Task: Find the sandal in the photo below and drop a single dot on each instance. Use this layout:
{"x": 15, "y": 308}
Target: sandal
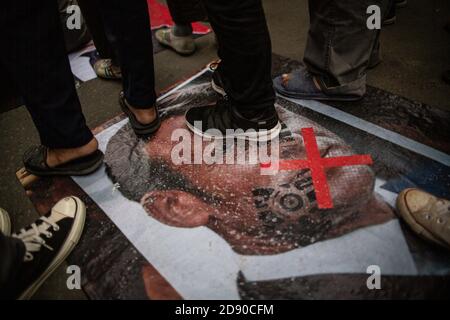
{"x": 139, "y": 128}
{"x": 300, "y": 84}
{"x": 35, "y": 161}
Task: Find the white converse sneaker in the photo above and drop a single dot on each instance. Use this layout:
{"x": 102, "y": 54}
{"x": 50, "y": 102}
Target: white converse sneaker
{"x": 5, "y": 222}
{"x": 426, "y": 214}
{"x": 48, "y": 242}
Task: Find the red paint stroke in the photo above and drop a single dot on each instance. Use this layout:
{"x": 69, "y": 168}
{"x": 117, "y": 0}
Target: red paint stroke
{"x": 316, "y": 164}
{"x": 160, "y": 17}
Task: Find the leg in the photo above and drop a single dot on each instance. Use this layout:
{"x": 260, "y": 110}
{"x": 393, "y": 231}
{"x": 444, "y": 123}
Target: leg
{"x": 37, "y": 60}
{"x": 75, "y": 38}
{"x": 339, "y": 50}
{"x": 91, "y": 11}
{"x": 183, "y": 13}
{"x": 128, "y": 25}
{"x": 246, "y": 52}
{"x": 106, "y": 67}
{"x": 245, "y": 70}
{"x": 340, "y": 44}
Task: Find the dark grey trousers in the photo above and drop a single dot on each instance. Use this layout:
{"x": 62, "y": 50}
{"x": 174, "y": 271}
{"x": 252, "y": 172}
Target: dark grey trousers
{"x": 340, "y": 47}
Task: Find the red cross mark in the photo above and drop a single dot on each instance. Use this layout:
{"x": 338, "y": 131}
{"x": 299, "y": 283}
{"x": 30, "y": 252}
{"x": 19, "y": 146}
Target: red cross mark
{"x": 316, "y": 164}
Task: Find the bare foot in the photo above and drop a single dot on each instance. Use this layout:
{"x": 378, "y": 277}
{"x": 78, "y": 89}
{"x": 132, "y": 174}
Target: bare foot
{"x": 144, "y": 116}
{"x": 57, "y": 157}
{"x": 286, "y": 77}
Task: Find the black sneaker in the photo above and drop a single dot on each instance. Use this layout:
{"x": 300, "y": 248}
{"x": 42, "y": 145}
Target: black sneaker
{"x": 216, "y": 81}
{"x": 221, "y": 121}
{"x": 48, "y": 242}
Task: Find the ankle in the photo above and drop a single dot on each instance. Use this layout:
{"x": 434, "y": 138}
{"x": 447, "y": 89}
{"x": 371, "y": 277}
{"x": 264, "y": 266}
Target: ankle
{"x": 182, "y": 30}
{"x": 56, "y": 157}
{"x": 89, "y": 148}
{"x": 144, "y": 116}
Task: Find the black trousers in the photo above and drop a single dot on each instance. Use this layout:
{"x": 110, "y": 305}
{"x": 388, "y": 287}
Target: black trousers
{"x": 186, "y": 11}
{"x": 182, "y": 12}
{"x": 127, "y": 26}
{"x": 12, "y": 252}
{"x": 246, "y": 53}
{"x": 121, "y": 32}
{"x": 92, "y": 15}
{"x": 35, "y": 56}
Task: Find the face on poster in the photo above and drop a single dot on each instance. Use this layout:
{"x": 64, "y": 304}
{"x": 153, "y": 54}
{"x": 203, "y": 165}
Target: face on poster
{"x": 201, "y": 225}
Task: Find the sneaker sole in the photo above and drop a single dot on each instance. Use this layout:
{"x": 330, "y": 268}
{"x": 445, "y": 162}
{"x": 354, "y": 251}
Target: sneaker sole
{"x": 217, "y": 88}
{"x": 317, "y": 98}
{"x": 71, "y": 241}
{"x": 5, "y": 222}
{"x": 404, "y": 212}
{"x": 264, "y": 136}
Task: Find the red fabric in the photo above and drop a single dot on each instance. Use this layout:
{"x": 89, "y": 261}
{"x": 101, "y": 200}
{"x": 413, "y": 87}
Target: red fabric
{"x": 160, "y": 17}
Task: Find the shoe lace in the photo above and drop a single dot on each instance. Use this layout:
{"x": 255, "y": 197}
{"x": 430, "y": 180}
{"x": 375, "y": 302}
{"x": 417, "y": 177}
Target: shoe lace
{"x": 442, "y": 209}
{"x": 32, "y": 237}
{"x": 442, "y": 206}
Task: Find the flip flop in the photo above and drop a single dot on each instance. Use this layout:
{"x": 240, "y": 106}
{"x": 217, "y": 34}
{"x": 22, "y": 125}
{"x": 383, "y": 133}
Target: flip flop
{"x": 139, "y": 128}
{"x": 299, "y": 84}
{"x": 35, "y": 161}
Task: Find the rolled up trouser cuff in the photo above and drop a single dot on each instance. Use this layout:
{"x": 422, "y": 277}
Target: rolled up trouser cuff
{"x": 355, "y": 88}
{"x": 142, "y": 102}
